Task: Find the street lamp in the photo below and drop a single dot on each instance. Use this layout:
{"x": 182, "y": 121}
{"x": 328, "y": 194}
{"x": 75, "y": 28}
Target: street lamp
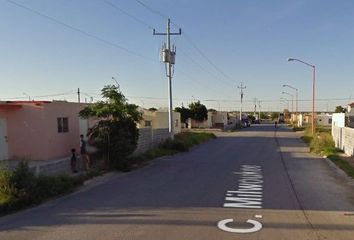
{"x": 296, "y": 97}
{"x": 292, "y": 100}
{"x": 287, "y": 101}
{"x": 313, "y": 89}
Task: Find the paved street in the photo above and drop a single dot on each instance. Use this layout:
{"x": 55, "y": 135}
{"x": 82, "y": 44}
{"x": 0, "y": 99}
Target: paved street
{"x": 257, "y": 174}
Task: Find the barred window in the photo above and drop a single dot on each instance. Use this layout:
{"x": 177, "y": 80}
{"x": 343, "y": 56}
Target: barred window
{"x": 63, "y": 125}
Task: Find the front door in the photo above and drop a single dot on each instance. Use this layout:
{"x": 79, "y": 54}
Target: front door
{"x": 3, "y": 140}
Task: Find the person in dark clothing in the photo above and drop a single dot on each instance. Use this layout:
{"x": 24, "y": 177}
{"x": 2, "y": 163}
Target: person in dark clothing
{"x": 85, "y": 157}
{"x": 275, "y": 124}
{"x": 73, "y": 160}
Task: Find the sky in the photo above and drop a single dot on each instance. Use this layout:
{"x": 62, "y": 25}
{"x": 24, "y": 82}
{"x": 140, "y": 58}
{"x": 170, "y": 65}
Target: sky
{"x": 49, "y": 49}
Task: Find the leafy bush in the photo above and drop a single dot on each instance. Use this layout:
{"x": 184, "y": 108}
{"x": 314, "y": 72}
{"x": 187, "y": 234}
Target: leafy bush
{"x": 116, "y": 133}
{"x": 7, "y": 191}
{"x": 323, "y": 143}
{"x": 175, "y": 144}
{"x": 21, "y": 188}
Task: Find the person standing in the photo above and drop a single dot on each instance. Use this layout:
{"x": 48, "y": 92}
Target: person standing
{"x": 73, "y": 160}
{"x": 83, "y": 152}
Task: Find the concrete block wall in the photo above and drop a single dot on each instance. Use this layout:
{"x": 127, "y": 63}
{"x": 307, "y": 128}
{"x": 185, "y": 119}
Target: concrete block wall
{"x": 348, "y": 141}
{"x": 344, "y": 139}
{"x": 144, "y": 141}
{"x": 149, "y": 138}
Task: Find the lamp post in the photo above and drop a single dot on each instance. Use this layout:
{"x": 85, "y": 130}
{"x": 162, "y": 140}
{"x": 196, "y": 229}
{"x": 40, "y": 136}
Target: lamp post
{"x": 296, "y": 96}
{"x": 313, "y": 89}
{"x": 292, "y": 100}
{"x": 287, "y": 101}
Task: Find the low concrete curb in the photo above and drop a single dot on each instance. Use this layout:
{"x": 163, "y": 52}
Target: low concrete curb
{"x": 339, "y": 171}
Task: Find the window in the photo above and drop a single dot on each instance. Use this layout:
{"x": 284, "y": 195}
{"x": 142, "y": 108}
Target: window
{"x": 63, "y": 125}
{"x": 147, "y": 123}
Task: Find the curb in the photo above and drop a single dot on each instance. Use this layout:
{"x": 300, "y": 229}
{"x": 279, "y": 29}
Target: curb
{"x": 339, "y": 171}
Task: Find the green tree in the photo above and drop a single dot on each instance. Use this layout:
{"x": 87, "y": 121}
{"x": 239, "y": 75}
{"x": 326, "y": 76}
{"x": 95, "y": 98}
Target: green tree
{"x": 264, "y": 115}
{"x": 115, "y": 132}
{"x": 340, "y": 109}
{"x": 152, "y": 109}
{"x": 198, "y": 111}
{"x": 185, "y": 113}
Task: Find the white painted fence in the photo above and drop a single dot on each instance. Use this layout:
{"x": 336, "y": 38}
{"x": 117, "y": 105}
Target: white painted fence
{"x": 344, "y": 139}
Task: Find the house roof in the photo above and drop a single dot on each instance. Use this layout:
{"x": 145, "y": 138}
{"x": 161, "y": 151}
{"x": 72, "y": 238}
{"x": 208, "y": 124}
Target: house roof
{"x": 351, "y": 104}
{"x": 24, "y": 102}
{"x": 6, "y": 106}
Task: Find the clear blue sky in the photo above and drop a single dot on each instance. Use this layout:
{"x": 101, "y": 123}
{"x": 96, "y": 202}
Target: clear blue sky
{"x": 249, "y": 41}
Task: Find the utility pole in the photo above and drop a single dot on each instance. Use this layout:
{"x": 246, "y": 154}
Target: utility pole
{"x": 168, "y": 57}
{"x": 78, "y": 95}
{"x": 241, "y": 94}
{"x": 259, "y": 109}
{"x": 255, "y": 107}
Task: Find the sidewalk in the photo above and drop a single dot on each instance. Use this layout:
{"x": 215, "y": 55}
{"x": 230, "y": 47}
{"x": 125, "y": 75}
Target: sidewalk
{"x": 318, "y": 184}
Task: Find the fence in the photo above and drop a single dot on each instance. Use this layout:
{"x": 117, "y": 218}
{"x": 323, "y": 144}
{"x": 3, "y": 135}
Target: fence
{"x": 344, "y": 139}
{"x": 149, "y": 138}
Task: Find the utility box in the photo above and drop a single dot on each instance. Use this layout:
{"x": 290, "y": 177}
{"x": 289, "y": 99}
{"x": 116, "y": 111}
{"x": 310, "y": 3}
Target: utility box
{"x": 165, "y": 55}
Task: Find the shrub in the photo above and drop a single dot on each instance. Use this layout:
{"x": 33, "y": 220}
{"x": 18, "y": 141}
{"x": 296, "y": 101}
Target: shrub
{"x": 175, "y": 144}
{"x": 24, "y": 183}
{"x": 323, "y": 143}
{"x": 21, "y": 188}
{"x": 7, "y": 191}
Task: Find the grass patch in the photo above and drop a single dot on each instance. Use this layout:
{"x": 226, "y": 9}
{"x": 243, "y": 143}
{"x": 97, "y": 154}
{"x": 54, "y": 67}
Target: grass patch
{"x": 298, "y": 129}
{"x": 181, "y": 143}
{"x": 22, "y": 188}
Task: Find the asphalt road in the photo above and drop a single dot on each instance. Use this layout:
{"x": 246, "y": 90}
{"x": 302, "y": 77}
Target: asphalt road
{"x": 257, "y": 174}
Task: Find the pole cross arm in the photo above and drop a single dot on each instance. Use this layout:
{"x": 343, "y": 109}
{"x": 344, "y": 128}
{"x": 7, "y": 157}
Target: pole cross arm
{"x": 164, "y": 34}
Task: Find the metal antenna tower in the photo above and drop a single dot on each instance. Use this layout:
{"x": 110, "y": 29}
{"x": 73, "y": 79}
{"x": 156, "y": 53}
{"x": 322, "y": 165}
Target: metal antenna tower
{"x": 168, "y": 55}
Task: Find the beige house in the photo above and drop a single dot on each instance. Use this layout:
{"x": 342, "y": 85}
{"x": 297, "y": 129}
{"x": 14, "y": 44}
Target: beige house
{"x": 159, "y": 120}
{"x": 216, "y": 119}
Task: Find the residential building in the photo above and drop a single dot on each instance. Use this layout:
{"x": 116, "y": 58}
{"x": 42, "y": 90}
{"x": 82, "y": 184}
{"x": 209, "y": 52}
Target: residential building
{"x": 159, "y": 120}
{"x": 40, "y": 130}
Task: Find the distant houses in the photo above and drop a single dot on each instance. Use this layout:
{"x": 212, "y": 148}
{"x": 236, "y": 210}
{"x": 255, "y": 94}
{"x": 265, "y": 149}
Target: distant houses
{"x": 44, "y": 132}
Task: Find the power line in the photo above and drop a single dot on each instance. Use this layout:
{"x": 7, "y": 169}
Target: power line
{"x": 87, "y": 34}
{"x": 186, "y": 36}
{"x": 147, "y": 25}
{"x": 151, "y": 9}
{"x": 228, "y": 100}
{"x": 128, "y": 14}
{"x": 48, "y": 95}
